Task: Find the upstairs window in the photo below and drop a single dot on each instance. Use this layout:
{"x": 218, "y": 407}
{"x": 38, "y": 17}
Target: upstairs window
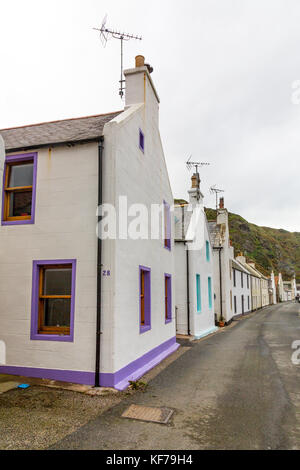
{"x": 234, "y": 278}
{"x": 19, "y": 189}
{"x": 167, "y": 226}
{"x": 207, "y": 251}
{"x": 141, "y": 141}
{"x": 242, "y": 280}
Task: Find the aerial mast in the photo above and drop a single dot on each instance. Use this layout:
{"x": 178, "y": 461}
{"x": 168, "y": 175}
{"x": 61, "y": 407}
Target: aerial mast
{"x": 105, "y": 35}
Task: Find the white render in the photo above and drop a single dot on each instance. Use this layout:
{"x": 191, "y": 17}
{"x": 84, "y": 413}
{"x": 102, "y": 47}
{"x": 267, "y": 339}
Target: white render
{"x": 223, "y": 254}
{"x": 241, "y": 288}
{"x": 65, "y": 228}
{"x": 202, "y": 322}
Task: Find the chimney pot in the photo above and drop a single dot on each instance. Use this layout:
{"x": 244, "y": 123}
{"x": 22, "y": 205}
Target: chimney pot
{"x": 195, "y": 181}
{"x": 139, "y": 61}
{"x": 221, "y": 203}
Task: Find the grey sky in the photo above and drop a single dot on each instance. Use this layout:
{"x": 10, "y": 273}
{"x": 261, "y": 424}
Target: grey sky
{"x": 223, "y": 70}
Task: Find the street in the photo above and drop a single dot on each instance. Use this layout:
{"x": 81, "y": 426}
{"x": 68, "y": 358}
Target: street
{"x": 237, "y": 389}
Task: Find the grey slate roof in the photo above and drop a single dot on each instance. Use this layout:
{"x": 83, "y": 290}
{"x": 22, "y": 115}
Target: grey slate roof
{"x": 214, "y": 231}
{"x": 56, "y": 132}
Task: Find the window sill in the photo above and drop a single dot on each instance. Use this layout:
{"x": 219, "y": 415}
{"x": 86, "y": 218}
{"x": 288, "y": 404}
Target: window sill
{"x": 62, "y": 338}
{"x": 17, "y": 222}
{"x": 144, "y": 329}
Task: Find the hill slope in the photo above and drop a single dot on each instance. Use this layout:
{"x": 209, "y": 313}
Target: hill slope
{"x": 268, "y": 247}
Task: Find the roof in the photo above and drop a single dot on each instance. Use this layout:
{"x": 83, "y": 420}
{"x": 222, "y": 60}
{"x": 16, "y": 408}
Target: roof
{"x": 214, "y": 231}
{"x": 239, "y": 266}
{"x": 56, "y": 132}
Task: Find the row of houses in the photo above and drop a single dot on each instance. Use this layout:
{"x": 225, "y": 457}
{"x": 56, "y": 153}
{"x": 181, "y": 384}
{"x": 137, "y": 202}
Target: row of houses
{"x": 91, "y": 292}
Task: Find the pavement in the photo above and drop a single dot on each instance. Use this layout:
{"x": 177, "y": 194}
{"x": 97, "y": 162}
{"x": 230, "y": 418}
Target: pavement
{"x": 237, "y": 389}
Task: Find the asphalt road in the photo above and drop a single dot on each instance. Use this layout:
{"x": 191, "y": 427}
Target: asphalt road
{"x": 237, "y": 389}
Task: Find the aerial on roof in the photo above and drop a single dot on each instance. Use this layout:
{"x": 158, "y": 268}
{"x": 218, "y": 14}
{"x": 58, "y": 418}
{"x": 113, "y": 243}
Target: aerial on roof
{"x": 56, "y": 132}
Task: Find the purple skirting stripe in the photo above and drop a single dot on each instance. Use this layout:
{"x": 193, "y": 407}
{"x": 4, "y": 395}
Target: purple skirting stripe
{"x": 118, "y": 380}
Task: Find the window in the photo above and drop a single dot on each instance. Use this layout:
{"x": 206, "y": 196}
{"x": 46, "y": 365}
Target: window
{"x": 247, "y": 281}
{"x": 167, "y": 226}
{"x": 234, "y": 278}
{"x": 145, "y": 299}
{"x": 209, "y": 293}
{"x": 242, "y": 280}
{"x": 19, "y": 187}
{"x": 168, "y": 298}
{"x": 234, "y": 300}
{"x": 243, "y": 307}
{"x": 53, "y": 300}
{"x": 141, "y": 141}
{"x": 248, "y": 302}
{"x": 198, "y": 293}
{"x": 207, "y": 251}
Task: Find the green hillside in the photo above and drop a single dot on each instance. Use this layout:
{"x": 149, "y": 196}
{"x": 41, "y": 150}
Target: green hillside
{"x": 268, "y": 247}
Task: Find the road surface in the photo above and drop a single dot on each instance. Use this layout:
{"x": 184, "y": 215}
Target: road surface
{"x": 237, "y": 389}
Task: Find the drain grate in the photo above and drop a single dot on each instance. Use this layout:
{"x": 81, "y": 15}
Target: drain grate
{"x": 148, "y": 413}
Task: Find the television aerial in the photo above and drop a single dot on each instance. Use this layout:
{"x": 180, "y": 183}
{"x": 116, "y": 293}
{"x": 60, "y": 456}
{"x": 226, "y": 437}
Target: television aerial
{"x": 105, "y": 35}
{"x": 216, "y": 191}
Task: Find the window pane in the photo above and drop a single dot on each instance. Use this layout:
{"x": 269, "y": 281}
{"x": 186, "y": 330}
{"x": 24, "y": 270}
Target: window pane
{"x": 57, "y": 312}
{"x": 21, "y": 175}
{"x": 57, "y": 281}
{"x": 20, "y": 204}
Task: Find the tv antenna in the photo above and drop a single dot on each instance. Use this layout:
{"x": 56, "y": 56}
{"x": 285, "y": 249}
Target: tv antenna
{"x": 105, "y": 35}
{"x": 196, "y": 165}
{"x": 216, "y": 191}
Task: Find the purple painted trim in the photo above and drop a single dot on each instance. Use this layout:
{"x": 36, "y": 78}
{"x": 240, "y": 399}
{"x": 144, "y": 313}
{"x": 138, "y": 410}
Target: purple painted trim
{"x": 169, "y": 305}
{"x": 138, "y": 368}
{"x": 34, "y": 335}
{"x": 20, "y": 158}
{"x": 118, "y": 380}
{"x": 141, "y": 141}
{"x": 167, "y": 235}
{"x": 73, "y": 376}
{"x": 147, "y": 299}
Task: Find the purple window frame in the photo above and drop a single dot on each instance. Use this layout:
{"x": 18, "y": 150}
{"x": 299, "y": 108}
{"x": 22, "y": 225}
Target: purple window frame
{"x": 169, "y": 304}
{"x": 14, "y": 159}
{"x": 34, "y": 335}
{"x": 141, "y": 140}
{"x": 147, "y": 326}
{"x": 167, "y": 233}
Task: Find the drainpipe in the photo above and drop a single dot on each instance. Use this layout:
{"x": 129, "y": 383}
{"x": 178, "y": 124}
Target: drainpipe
{"x": 99, "y": 268}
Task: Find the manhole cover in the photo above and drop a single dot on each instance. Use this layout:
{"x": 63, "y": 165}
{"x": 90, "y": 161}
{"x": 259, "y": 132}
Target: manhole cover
{"x": 148, "y": 413}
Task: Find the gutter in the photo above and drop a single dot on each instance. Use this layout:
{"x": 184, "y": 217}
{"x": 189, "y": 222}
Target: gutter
{"x": 53, "y": 144}
{"x": 188, "y": 288}
{"x": 99, "y": 266}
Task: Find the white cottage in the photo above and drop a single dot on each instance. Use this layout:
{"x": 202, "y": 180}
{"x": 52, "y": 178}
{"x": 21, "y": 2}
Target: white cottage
{"x": 223, "y": 253}
{"x": 194, "y": 282}
{"x": 241, "y": 288}
{"x": 74, "y": 307}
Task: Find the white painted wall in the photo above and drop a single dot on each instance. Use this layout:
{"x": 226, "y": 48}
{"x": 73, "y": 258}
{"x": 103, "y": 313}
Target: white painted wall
{"x": 202, "y": 322}
{"x": 241, "y": 289}
{"x": 65, "y": 228}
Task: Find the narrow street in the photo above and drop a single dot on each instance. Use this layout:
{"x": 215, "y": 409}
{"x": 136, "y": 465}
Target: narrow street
{"x": 237, "y": 389}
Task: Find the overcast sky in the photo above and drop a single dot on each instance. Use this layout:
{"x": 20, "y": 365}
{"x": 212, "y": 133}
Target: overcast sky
{"x": 223, "y": 70}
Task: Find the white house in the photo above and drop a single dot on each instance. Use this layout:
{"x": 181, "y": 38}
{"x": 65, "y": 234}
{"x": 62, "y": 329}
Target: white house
{"x": 74, "y": 307}
{"x": 194, "y": 291}
{"x": 222, "y": 256}
{"x": 241, "y": 288}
